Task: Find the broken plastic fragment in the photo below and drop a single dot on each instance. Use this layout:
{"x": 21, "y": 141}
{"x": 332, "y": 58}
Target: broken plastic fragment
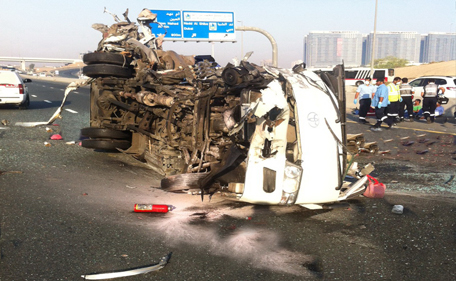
{"x": 408, "y": 143}
{"x": 131, "y": 272}
{"x": 56, "y": 137}
{"x": 422, "y": 151}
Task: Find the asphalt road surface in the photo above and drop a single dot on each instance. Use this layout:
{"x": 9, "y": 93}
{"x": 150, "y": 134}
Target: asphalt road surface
{"x": 67, "y": 211}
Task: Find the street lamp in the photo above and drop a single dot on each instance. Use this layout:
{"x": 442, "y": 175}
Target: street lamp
{"x": 242, "y": 39}
{"x": 373, "y": 42}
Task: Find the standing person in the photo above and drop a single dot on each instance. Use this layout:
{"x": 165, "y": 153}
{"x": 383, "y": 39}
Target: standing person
{"x": 380, "y": 102}
{"x": 364, "y": 92}
{"x": 394, "y": 98}
{"x": 430, "y": 94}
{"x": 406, "y": 92}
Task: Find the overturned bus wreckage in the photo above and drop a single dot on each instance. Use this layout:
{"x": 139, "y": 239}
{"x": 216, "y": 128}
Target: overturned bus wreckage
{"x": 262, "y": 135}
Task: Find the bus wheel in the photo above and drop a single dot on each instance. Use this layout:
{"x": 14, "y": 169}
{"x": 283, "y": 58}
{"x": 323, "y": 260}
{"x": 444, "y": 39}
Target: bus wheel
{"x": 359, "y": 83}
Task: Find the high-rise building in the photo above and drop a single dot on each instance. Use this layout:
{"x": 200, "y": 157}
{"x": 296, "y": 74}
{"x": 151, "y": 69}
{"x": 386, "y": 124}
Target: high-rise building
{"x": 328, "y": 48}
{"x": 364, "y": 60}
{"x": 399, "y": 44}
{"x": 439, "y": 46}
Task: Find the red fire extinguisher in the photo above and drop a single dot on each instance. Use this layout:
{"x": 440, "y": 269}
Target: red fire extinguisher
{"x": 152, "y": 208}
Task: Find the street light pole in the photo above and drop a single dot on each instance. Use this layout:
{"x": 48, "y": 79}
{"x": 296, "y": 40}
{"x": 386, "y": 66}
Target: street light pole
{"x": 373, "y": 41}
{"x": 242, "y": 40}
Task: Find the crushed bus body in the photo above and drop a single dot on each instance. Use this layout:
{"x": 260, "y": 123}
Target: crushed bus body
{"x": 256, "y": 134}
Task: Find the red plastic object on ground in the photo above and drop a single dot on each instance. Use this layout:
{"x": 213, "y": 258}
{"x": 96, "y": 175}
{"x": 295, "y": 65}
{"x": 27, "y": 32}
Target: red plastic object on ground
{"x": 375, "y": 189}
{"x": 56, "y": 137}
{"x": 151, "y": 208}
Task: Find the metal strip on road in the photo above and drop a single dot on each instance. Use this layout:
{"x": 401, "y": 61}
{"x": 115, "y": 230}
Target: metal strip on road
{"x": 71, "y": 110}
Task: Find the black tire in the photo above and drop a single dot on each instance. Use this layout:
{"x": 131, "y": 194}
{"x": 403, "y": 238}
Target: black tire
{"x": 231, "y": 77}
{"x": 105, "y": 133}
{"x": 105, "y": 144}
{"x": 102, "y": 70}
{"x": 108, "y": 58}
{"x": 25, "y": 104}
{"x": 358, "y": 83}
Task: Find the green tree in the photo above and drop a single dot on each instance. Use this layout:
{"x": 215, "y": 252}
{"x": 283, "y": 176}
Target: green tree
{"x": 390, "y": 62}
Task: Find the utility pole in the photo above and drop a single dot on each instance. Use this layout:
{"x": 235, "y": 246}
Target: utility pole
{"x": 242, "y": 40}
{"x": 373, "y": 41}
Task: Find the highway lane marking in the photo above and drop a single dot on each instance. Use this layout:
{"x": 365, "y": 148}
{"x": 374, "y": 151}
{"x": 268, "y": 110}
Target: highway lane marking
{"x": 51, "y": 87}
{"x": 62, "y": 90}
{"x": 34, "y": 96}
{"x": 71, "y": 110}
{"x": 44, "y": 86}
{"x": 48, "y": 101}
{"x": 414, "y": 129}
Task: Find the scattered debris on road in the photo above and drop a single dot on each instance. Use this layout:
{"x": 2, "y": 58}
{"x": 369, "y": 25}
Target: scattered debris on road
{"x": 398, "y": 209}
{"x": 73, "y": 86}
{"x": 131, "y": 272}
{"x": 56, "y": 137}
{"x": 10, "y": 172}
{"x": 375, "y": 189}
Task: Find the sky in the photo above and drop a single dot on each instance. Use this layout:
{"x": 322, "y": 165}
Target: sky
{"x": 62, "y": 29}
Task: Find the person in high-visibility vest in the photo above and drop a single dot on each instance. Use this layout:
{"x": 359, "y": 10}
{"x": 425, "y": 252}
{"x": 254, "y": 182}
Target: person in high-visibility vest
{"x": 430, "y": 95}
{"x": 407, "y": 92}
{"x": 394, "y": 100}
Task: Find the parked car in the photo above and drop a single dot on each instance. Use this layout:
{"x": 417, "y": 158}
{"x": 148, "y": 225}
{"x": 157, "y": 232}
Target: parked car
{"x": 13, "y": 89}
{"x": 448, "y": 82}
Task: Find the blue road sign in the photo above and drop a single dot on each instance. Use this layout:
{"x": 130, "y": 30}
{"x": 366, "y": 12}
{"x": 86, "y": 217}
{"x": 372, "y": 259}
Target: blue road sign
{"x": 195, "y": 25}
{"x": 169, "y": 21}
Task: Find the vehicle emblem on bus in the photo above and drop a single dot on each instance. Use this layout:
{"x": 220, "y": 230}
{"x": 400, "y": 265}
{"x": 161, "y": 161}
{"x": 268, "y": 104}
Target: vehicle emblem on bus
{"x": 313, "y": 119}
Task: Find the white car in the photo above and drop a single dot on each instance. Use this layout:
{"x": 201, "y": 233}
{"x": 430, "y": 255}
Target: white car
{"x": 448, "y": 82}
{"x": 13, "y": 89}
